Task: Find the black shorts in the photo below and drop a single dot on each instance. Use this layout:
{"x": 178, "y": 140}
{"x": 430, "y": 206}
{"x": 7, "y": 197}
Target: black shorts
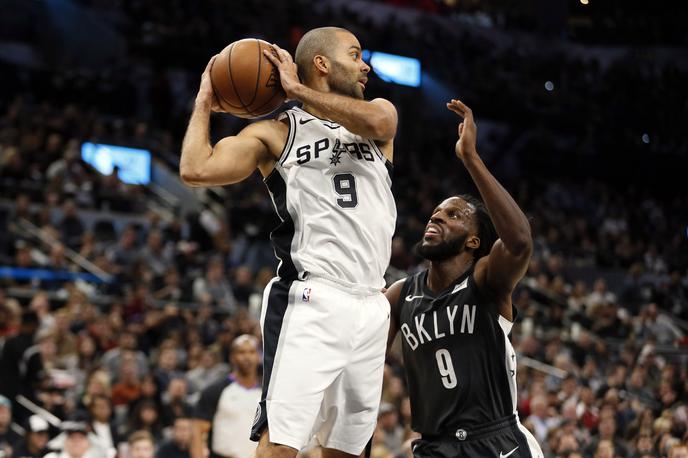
{"x": 505, "y": 438}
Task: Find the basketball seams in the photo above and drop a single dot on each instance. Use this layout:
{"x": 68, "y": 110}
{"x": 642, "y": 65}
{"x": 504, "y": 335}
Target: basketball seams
{"x": 218, "y": 94}
{"x": 231, "y": 79}
{"x": 260, "y": 62}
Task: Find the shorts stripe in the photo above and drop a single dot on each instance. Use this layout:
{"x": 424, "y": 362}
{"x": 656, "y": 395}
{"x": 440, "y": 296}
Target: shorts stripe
{"x": 523, "y": 445}
{"x": 275, "y": 308}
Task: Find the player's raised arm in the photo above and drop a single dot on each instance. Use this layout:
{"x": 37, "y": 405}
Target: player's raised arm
{"x": 508, "y": 260}
{"x": 332, "y": 83}
{"x": 232, "y": 159}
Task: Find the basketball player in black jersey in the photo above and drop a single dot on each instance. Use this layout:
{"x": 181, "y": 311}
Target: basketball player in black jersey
{"x": 456, "y": 316}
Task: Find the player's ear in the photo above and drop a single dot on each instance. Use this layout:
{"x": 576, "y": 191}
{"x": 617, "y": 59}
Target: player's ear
{"x": 473, "y": 242}
{"x": 322, "y": 64}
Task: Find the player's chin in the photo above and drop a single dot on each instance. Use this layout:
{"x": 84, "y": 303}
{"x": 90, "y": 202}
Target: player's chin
{"x": 430, "y": 240}
{"x": 358, "y": 92}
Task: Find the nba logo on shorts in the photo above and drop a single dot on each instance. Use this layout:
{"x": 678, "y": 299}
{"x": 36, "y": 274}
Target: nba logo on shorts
{"x": 306, "y": 295}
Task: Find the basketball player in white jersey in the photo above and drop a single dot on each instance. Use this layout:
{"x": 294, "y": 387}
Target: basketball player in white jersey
{"x": 327, "y": 167}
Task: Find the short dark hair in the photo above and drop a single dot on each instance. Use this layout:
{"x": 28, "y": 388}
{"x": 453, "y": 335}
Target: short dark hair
{"x": 317, "y": 41}
{"x": 486, "y": 230}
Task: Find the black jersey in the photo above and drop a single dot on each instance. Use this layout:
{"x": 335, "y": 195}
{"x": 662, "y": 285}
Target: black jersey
{"x": 460, "y": 365}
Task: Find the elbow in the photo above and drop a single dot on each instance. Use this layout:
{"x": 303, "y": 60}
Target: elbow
{"x": 522, "y": 245}
{"x": 381, "y": 127}
{"x": 190, "y": 177}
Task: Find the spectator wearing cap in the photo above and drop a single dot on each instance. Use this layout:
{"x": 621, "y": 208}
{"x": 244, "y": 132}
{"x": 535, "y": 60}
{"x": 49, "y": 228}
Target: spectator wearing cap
{"x": 229, "y": 405}
{"x": 76, "y": 442}
{"x": 393, "y": 432}
{"x": 178, "y": 446}
{"x": 35, "y": 439}
{"x": 8, "y": 437}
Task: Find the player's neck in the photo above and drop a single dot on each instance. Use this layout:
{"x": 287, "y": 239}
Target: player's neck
{"x": 319, "y": 85}
{"x": 313, "y": 111}
{"x": 247, "y": 381}
{"x": 441, "y": 274}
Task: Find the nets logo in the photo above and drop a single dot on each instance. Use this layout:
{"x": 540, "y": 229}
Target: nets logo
{"x": 306, "y": 296}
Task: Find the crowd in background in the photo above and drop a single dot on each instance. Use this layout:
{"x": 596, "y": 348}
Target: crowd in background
{"x": 604, "y": 304}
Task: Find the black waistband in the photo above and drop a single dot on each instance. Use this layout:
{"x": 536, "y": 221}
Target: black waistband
{"x": 468, "y": 433}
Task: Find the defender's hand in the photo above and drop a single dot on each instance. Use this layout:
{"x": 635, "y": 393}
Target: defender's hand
{"x": 206, "y": 94}
{"x": 287, "y": 70}
{"x": 467, "y": 129}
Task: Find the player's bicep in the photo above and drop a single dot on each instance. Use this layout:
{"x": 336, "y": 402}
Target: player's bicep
{"x": 231, "y": 160}
{"x": 501, "y": 270}
{"x": 234, "y": 159}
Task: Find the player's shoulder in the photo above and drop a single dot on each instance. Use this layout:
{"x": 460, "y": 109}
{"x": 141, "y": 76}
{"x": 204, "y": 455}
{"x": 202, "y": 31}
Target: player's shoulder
{"x": 216, "y": 388}
{"x": 399, "y": 287}
{"x": 266, "y": 127}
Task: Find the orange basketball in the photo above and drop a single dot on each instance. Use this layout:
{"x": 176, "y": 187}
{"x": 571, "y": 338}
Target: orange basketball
{"x": 245, "y": 82}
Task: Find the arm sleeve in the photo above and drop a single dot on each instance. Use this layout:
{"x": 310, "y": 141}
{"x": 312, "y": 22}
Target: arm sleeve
{"x": 207, "y": 404}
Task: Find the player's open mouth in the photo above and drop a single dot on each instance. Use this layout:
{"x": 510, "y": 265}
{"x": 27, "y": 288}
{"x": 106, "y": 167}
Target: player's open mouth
{"x": 432, "y": 230}
{"x": 362, "y": 83}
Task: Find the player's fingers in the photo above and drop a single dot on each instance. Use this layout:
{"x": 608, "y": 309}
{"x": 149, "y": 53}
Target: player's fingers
{"x": 284, "y": 55}
{"x": 272, "y": 57}
{"x": 457, "y": 106}
{"x": 464, "y": 107}
{"x": 454, "y": 109}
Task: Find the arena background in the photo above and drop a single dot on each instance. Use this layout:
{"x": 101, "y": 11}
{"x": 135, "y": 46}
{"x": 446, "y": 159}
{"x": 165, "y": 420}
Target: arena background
{"x": 582, "y": 111}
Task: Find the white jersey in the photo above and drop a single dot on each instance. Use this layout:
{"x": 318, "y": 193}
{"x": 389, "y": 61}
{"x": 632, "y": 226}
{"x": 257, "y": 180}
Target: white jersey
{"x": 332, "y": 192}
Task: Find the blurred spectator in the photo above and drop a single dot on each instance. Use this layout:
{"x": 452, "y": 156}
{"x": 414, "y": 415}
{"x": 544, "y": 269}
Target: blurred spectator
{"x": 12, "y": 355}
{"x": 9, "y": 439}
{"x": 102, "y": 423}
{"x": 112, "y": 359}
{"x": 35, "y": 440}
{"x": 209, "y": 370}
{"x": 72, "y": 229}
{"x": 76, "y": 442}
{"x": 178, "y": 445}
{"x": 141, "y": 445}
{"x": 393, "y": 432}
{"x": 128, "y": 386}
{"x": 146, "y": 417}
{"x": 174, "y": 401}
{"x": 214, "y": 286}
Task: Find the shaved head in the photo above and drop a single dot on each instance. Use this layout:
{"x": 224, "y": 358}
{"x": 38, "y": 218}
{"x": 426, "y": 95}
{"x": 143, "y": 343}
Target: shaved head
{"x": 321, "y": 41}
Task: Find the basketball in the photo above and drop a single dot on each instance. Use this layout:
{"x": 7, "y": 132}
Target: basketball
{"x": 245, "y": 82}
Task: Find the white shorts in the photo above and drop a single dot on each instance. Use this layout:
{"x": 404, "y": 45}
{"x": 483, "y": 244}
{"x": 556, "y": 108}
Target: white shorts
{"x": 324, "y": 354}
